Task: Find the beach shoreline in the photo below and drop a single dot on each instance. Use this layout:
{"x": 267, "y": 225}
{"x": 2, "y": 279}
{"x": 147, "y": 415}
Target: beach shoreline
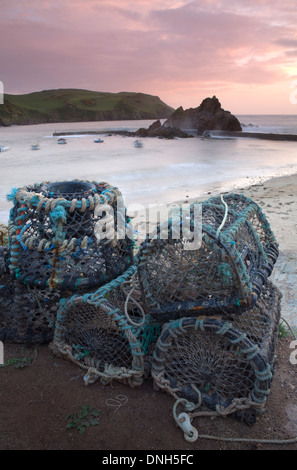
{"x": 161, "y": 171}
{"x": 276, "y": 196}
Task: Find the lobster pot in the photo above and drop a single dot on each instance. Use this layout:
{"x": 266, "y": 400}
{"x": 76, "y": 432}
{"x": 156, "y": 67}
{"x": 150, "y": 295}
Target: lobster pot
{"x": 4, "y": 262}
{"x": 103, "y": 332}
{"x": 222, "y": 271}
{"x": 27, "y": 315}
{"x": 68, "y": 235}
{"x": 226, "y": 366}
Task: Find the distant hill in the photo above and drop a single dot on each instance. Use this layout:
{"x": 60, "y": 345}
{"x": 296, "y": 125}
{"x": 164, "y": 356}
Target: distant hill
{"x": 73, "y": 105}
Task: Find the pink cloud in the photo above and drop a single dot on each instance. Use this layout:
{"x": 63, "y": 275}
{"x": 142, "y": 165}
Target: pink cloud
{"x": 150, "y": 46}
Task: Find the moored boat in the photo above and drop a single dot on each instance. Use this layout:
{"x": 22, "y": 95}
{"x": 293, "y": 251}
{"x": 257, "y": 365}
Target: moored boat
{"x": 138, "y": 143}
{"x": 35, "y": 146}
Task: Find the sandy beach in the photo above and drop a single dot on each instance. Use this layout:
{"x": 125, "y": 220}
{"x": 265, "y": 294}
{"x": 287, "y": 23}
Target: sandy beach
{"x": 277, "y": 197}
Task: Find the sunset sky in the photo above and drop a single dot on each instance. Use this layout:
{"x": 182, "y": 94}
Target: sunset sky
{"x": 242, "y": 51}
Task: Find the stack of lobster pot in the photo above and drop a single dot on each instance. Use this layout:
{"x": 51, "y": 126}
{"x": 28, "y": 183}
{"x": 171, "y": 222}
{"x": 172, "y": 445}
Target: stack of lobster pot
{"x": 218, "y": 310}
{"x": 196, "y": 310}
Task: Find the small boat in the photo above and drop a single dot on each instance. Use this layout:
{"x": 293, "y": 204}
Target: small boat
{"x": 4, "y": 149}
{"x": 138, "y": 143}
{"x": 98, "y": 140}
{"x": 62, "y": 141}
{"x": 35, "y": 146}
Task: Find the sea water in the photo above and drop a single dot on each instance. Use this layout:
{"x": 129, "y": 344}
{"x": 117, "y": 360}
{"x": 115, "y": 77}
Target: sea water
{"x": 160, "y": 172}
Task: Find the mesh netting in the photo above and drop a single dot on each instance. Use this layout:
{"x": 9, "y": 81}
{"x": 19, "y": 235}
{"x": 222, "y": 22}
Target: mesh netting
{"x": 226, "y": 273}
{"x": 4, "y": 262}
{"x": 65, "y": 235}
{"x": 101, "y": 331}
{"x": 202, "y": 320}
{"x": 223, "y": 364}
{"x": 27, "y": 315}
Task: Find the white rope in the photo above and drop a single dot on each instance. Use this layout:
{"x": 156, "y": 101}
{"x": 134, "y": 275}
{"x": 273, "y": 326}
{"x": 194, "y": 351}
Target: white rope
{"x": 128, "y": 298}
{"x": 117, "y": 402}
{"x": 183, "y": 420}
{"x": 225, "y": 217}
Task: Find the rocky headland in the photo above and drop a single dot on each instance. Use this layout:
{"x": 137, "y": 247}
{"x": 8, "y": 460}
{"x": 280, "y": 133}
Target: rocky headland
{"x": 158, "y": 130}
{"x": 209, "y": 115}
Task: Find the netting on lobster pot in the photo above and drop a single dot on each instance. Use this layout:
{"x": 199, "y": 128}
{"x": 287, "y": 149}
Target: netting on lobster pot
{"x": 68, "y": 235}
{"x": 225, "y": 272}
{"x": 221, "y": 365}
{"x": 105, "y": 332}
{"x": 27, "y": 315}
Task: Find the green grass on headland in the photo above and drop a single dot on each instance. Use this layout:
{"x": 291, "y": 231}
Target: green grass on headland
{"x": 73, "y": 105}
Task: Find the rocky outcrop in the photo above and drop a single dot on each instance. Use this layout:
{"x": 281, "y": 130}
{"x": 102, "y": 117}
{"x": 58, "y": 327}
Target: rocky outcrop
{"x": 208, "y": 116}
{"x": 164, "y": 132}
{"x": 20, "y": 115}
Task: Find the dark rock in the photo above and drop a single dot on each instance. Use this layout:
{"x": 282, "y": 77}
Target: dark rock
{"x": 157, "y": 130}
{"x": 208, "y": 116}
{"x": 155, "y": 126}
